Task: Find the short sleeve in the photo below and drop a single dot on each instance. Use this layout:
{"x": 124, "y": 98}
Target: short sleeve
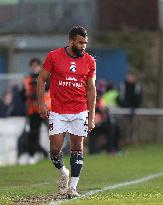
{"x": 92, "y": 71}
{"x": 47, "y": 65}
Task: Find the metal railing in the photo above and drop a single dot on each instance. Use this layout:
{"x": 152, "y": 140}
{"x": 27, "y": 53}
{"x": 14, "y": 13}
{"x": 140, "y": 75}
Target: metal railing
{"x": 140, "y": 124}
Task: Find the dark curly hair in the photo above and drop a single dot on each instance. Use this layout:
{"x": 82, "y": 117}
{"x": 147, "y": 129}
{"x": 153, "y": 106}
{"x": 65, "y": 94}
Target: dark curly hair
{"x": 77, "y": 30}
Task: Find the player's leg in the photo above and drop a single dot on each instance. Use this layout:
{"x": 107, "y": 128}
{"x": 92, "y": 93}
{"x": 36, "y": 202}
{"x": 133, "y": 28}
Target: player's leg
{"x": 56, "y": 155}
{"x": 76, "y": 162}
{"x": 57, "y": 129}
{"x": 78, "y": 129}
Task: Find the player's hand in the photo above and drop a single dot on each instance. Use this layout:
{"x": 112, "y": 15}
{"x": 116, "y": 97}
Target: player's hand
{"x": 43, "y": 111}
{"x": 91, "y": 125}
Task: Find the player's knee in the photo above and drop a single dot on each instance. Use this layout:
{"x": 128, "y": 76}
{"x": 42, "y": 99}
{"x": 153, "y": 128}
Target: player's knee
{"x": 77, "y": 146}
{"x": 56, "y": 150}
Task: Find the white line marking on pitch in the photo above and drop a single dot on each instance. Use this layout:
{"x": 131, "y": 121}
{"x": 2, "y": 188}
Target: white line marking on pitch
{"x": 111, "y": 187}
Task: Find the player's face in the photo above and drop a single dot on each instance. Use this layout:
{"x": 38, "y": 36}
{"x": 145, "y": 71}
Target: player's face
{"x": 78, "y": 45}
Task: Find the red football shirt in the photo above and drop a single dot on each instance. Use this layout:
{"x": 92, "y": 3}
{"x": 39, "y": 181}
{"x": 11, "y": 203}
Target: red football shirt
{"x": 68, "y": 80}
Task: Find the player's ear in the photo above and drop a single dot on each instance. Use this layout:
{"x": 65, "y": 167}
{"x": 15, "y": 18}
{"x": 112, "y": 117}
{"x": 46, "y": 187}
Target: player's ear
{"x": 70, "y": 42}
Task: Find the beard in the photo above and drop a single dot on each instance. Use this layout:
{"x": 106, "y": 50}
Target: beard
{"x": 78, "y": 52}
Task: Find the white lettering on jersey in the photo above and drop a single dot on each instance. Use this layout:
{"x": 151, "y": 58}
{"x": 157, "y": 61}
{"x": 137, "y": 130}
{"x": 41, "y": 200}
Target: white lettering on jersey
{"x": 69, "y": 83}
{"x": 60, "y": 82}
{"x": 71, "y": 78}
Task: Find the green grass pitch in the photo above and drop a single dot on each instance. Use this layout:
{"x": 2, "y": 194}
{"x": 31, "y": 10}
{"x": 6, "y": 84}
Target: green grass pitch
{"x": 18, "y": 183}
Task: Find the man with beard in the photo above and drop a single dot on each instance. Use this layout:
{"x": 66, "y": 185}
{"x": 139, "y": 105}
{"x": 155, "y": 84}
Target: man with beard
{"x": 72, "y": 89}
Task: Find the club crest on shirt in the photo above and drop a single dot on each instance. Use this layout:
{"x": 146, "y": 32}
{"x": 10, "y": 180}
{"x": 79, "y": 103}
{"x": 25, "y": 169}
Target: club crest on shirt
{"x": 73, "y": 67}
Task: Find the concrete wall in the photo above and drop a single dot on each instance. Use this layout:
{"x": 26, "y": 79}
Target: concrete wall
{"x": 11, "y": 128}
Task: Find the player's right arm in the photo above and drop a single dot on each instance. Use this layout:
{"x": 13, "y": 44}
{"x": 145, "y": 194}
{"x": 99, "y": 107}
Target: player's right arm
{"x": 43, "y": 77}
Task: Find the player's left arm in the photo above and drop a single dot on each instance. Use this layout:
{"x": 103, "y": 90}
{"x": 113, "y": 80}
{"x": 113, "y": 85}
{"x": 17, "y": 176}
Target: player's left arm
{"x": 91, "y": 102}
